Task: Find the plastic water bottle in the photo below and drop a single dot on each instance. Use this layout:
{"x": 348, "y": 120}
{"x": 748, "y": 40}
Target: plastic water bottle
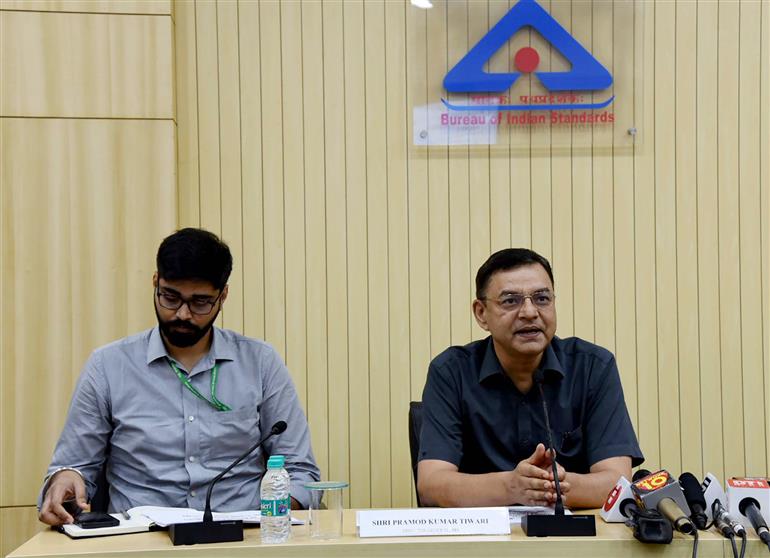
{"x": 276, "y": 502}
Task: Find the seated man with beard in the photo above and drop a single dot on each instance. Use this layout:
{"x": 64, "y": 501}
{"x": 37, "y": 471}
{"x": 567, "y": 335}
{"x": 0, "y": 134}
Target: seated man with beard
{"x": 167, "y": 409}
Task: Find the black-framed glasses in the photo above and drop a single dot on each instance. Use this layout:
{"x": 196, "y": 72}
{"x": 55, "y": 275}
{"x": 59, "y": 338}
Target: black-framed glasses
{"x": 514, "y": 301}
{"x": 174, "y": 301}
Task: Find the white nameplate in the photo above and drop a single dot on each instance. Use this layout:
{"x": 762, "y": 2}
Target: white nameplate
{"x": 416, "y": 522}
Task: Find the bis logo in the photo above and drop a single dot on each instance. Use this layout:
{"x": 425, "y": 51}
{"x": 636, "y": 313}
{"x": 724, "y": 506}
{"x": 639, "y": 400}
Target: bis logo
{"x": 586, "y": 74}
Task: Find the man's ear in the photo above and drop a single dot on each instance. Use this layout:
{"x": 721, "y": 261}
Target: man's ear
{"x": 480, "y": 313}
{"x": 155, "y": 280}
{"x": 223, "y": 296}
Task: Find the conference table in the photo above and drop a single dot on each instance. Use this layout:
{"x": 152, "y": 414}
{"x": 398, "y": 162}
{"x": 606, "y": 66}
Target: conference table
{"x": 611, "y": 541}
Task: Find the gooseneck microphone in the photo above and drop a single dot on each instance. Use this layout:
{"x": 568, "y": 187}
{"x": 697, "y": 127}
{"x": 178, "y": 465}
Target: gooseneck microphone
{"x": 693, "y": 493}
{"x": 559, "y": 506}
{"x": 559, "y": 524}
{"x": 210, "y": 531}
{"x": 750, "y": 508}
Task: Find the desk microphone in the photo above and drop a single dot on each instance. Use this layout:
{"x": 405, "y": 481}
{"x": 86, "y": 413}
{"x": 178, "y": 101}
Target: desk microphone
{"x": 210, "y": 531}
{"x": 559, "y": 524}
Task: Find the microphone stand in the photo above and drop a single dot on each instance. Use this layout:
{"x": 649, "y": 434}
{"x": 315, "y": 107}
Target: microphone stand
{"x": 559, "y": 524}
{"x": 208, "y": 530}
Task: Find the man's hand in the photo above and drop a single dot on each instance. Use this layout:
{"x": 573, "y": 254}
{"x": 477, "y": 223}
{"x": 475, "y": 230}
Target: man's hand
{"x": 63, "y": 486}
{"x": 532, "y": 482}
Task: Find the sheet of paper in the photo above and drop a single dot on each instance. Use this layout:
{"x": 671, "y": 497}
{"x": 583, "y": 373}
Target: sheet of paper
{"x": 517, "y": 512}
{"x": 164, "y": 517}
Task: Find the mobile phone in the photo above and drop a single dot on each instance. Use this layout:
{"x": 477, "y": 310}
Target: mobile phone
{"x": 94, "y": 520}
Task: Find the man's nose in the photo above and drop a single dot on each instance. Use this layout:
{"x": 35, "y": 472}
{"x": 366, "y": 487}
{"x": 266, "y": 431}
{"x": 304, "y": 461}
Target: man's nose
{"x": 528, "y": 308}
{"x": 183, "y": 312}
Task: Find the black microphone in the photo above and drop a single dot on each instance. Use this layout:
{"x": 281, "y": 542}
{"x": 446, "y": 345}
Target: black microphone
{"x": 750, "y": 508}
{"x": 693, "y": 493}
{"x": 649, "y": 526}
{"x": 559, "y": 524}
{"x": 210, "y": 531}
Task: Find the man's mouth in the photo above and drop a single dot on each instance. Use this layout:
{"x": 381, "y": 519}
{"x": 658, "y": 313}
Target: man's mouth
{"x": 529, "y": 332}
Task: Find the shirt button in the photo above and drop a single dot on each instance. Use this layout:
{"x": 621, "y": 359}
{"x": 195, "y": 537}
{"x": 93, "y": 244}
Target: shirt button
{"x": 192, "y": 493}
{"x": 191, "y": 418}
{"x": 191, "y": 459}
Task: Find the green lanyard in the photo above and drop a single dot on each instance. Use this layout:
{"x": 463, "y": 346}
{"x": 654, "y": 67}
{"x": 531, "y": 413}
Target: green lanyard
{"x": 216, "y": 403}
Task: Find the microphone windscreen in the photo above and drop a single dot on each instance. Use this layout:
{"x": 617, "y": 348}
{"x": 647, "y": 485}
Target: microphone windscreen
{"x": 640, "y": 474}
{"x": 279, "y": 427}
{"x": 692, "y": 489}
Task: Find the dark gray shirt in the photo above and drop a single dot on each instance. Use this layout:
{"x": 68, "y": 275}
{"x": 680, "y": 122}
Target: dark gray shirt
{"x": 475, "y": 418}
{"x": 164, "y": 443}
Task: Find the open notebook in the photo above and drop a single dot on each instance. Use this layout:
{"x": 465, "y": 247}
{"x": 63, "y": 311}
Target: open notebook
{"x": 150, "y": 518}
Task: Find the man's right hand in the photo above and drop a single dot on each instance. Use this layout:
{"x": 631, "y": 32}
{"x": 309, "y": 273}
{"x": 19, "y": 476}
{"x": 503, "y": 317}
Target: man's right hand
{"x": 64, "y": 486}
{"x": 532, "y": 483}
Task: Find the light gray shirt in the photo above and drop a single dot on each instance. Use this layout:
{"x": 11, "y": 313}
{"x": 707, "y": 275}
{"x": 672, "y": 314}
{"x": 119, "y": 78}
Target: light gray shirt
{"x": 162, "y": 445}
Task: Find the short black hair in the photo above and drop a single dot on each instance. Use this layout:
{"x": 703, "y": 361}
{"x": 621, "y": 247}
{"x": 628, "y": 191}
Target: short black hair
{"x": 508, "y": 258}
{"x": 194, "y": 254}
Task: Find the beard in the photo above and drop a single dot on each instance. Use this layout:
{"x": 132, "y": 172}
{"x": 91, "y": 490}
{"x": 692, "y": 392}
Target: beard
{"x": 180, "y": 333}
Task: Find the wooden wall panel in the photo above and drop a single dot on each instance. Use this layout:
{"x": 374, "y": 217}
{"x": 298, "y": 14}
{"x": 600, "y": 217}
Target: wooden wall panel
{"x": 87, "y": 190}
{"x": 84, "y": 205}
{"x": 156, "y": 7}
{"x": 359, "y": 249}
{"x": 86, "y": 65}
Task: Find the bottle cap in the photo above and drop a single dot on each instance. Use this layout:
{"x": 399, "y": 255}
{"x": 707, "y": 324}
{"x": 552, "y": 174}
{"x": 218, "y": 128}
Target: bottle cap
{"x": 275, "y": 462}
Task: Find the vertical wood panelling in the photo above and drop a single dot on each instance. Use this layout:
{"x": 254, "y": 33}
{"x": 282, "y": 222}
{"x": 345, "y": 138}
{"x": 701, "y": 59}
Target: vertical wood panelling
{"x": 459, "y": 194}
{"x": 644, "y": 236}
{"x": 398, "y": 252}
{"x": 359, "y": 249}
{"x": 377, "y": 250}
{"x": 708, "y": 237}
{"x": 358, "y": 294}
{"x": 294, "y": 218}
{"x": 755, "y": 420}
{"x": 728, "y": 176}
{"x": 336, "y": 246}
{"x": 665, "y": 236}
{"x": 623, "y": 208}
{"x": 686, "y": 294}
{"x": 315, "y": 232}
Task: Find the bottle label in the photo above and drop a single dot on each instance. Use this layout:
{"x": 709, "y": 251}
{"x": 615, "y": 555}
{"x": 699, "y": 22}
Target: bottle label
{"x": 276, "y": 508}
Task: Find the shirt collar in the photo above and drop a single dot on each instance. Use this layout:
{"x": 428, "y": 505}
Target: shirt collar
{"x": 491, "y": 364}
{"x": 221, "y": 348}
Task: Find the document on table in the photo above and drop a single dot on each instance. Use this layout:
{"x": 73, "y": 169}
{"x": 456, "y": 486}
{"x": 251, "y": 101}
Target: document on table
{"x": 517, "y": 512}
{"x": 149, "y": 518}
{"x": 163, "y": 517}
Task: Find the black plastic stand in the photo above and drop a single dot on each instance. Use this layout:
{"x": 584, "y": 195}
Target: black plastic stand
{"x": 559, "y": 525}
{"x": 212, "y": 532}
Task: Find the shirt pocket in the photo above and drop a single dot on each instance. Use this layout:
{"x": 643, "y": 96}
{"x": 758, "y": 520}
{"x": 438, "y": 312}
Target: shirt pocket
{"x": 571, "y": 450}
{"x": 225, "y": 435}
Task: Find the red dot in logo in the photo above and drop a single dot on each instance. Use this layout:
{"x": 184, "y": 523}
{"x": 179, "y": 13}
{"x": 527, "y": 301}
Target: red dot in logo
{"x": 526, "y": 60}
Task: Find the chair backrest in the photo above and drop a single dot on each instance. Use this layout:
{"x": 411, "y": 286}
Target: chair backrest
{"x": 415, "y": 426}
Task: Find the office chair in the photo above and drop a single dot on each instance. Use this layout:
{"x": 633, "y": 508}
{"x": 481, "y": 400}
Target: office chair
{"x": 415, "y": 426}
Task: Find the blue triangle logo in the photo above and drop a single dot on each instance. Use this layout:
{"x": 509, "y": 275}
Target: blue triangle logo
{"x": 586, "y": 74}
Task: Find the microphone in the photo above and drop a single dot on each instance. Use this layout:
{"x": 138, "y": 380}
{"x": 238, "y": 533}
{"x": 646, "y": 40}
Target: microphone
{"x": 559, "y": 524}
{"x": 693, "y": 493}
{"x": 715, "y": 508}
{"x": 661, "y": 492}
{"x": 750, "y": 497}
{"x": 750, "y": 508}
{"x": 648, "y": 525}
{"x": 210, "y": 531}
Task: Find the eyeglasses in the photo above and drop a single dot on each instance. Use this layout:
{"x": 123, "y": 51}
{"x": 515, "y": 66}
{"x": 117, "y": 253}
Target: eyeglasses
{"x": 514, "y": 301}
{"x": 199, "y": 306}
